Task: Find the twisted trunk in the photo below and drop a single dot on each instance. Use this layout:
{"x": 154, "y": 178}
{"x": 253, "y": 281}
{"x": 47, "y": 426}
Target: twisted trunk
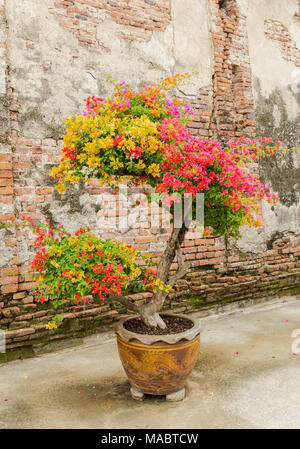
{"x": 150, "y": 311}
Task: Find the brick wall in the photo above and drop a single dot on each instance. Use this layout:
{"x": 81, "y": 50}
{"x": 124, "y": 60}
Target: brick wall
{"x": 233, "y": 106}
{"x": 280, "y": 35}
{"x": 140, "y": 18}
{"x": 220, "y": 271}
{"x": 8, "y": 245}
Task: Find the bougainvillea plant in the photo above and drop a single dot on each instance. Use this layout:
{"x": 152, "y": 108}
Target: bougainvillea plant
{"x": 143, "y": 136}
{"x": 73, "y": 267}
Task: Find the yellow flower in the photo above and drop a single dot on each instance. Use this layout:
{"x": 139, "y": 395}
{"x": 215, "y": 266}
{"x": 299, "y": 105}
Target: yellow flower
{"x": 54, "y": 171}
{"x": 40, "y": 280}
{"x": 160, "y": 285}
{"x": 152, "y": 144}
{"x": 71, "y": 178}
{"x": 115, "y": 163}
{"x": 140, "y": 165}
{"x": 88, "y": 247}
{"x": 61, "y": 187}
{"x": 135, "y": 273}
{"x": 154, "y": 170}
{"x": 50, "y": 325}
{"x": 82, "y": 157}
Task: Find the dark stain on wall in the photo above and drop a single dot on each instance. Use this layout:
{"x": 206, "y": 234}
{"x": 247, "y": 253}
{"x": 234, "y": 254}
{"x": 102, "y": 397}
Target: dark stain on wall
{"x": 281, "y": 171}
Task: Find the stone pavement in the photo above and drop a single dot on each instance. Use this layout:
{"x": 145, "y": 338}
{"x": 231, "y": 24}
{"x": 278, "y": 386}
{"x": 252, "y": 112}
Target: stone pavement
{"x": 246, "y": 377}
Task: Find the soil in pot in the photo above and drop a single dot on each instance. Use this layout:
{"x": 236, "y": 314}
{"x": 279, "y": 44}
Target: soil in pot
{"x": 175, "y": 325}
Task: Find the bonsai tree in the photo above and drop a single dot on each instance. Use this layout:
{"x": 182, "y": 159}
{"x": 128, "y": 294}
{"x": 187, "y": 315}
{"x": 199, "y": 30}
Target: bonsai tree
{"x": 142, "y": 137}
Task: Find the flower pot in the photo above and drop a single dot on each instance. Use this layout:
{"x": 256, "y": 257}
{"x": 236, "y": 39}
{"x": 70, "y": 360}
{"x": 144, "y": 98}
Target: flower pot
{"x": 158, "y": 364}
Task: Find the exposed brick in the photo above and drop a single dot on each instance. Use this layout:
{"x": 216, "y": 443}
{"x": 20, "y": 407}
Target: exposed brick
{"x": 6, "y": 190}
{"x": 279, "y": 34}
{"x": 5, "y": 157}
{"x": 5, "y": 174}
{"x": 9, "y": 288}
{"x": 5, "y": 165}
{"x": 19, "y": 333}
{"x": 9, "y": 280}
{"x": 9, "y": 271}
{"x": 6, "y": 182}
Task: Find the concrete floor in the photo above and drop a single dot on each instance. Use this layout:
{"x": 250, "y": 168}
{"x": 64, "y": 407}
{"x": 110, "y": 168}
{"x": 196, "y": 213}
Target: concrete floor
{"x": 85, "y": 387}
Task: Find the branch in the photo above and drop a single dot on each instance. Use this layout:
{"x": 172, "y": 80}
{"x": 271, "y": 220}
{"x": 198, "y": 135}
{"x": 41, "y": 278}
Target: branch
{"x": 182, "y": 270}
{"x": 121, "y": 299}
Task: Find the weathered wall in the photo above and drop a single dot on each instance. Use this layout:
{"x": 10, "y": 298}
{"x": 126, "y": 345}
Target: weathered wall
{"x": 54, "y": 53}
{"x": 274, "y": 42}
{"x": 61, "y": 52}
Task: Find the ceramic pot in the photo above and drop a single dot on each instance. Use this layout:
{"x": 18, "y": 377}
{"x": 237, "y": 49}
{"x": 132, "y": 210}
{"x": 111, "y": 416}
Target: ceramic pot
{"x": 158, "y": 364}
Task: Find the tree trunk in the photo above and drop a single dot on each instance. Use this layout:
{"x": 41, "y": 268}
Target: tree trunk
{"x": 150, "y": 312}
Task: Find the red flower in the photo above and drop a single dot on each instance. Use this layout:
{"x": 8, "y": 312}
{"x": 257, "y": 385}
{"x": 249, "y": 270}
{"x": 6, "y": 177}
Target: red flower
{"x": 117, "y": 140}
{"x": 135, "y": 153}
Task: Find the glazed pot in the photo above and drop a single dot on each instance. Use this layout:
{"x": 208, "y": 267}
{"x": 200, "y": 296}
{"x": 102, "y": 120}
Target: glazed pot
{"x": 158, "y": 364}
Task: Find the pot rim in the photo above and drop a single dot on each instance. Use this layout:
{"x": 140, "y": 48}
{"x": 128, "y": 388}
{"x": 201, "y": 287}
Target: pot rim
{"x": 146, "y": 339}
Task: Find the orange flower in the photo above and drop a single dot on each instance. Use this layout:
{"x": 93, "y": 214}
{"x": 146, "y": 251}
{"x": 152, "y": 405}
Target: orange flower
{"x": 258, "y": 223}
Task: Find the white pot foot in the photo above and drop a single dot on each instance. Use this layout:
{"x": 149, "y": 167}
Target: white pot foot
{"x": 136, "y": 394}
{"x": 177, "y": 396}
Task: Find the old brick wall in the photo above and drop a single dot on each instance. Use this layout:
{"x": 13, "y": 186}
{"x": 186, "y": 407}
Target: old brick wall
{"x": 56, "y": 53}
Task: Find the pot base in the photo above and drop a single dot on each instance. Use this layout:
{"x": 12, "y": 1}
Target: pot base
{"x": 172, "y": 397}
